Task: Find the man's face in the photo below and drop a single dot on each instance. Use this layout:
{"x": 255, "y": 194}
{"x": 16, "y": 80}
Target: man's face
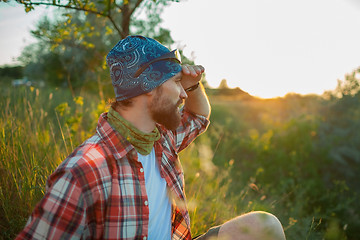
{"x": 164, "y": 107}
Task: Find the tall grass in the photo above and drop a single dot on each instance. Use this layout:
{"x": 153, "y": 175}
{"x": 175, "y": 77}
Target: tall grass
{"x": 39, "y": 128}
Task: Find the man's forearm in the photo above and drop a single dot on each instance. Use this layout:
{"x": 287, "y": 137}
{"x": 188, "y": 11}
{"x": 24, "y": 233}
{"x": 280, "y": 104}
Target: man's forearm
{"x": 198, "y": 102}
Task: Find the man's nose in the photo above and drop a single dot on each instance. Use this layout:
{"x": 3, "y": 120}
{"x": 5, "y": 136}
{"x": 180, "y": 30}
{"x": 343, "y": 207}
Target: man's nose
{"x": 183, "y": 94}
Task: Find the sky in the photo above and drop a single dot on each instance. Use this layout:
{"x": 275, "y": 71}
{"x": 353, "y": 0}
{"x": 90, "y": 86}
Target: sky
{"x": 267, "y": 48}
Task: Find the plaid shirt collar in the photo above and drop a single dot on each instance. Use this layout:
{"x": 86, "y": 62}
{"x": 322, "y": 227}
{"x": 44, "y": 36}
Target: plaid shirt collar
{"x": 115, "y": 141}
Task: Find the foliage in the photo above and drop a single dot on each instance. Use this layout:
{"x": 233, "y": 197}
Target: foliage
{"x": 341, "y": 122}
{"x": 39, "y": 128}
{"x": 13, "y": 72}
{"x": 70, "y": 52}
{"x": 118, "y": 13}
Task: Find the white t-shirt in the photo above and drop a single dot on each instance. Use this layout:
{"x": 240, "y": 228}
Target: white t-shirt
{"x": 159, "y": 203}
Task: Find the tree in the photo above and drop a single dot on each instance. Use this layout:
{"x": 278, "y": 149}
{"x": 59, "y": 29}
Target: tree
{"x": 223, "y": 84}
{"x": 350, "y": 86}
{"x": 341, "y": 122}
{"x": 119, "y": 13}
{"x": 70, "y": 50}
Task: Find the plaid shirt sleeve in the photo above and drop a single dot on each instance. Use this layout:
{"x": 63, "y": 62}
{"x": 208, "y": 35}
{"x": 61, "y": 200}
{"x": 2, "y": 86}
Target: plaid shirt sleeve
{"x": 61, "y": 212}
{"x": 191, "y": 126}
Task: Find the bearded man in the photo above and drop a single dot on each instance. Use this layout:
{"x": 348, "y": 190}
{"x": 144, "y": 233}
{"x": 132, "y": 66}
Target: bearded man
{"x": 126, "y": 181}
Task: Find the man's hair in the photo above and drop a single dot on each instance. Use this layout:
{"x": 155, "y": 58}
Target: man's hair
{"x": 121, "y": 104}
{"x": 129, "y": 102}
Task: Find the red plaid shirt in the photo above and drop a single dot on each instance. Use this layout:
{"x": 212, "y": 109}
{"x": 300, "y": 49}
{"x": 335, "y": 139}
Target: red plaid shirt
{"x": 98, "y": 192}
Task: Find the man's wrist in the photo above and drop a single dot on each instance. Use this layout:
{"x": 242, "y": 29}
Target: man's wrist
{"x": 192, "y": 88}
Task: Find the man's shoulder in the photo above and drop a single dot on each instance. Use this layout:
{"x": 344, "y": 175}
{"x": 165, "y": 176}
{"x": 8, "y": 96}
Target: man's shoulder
{"x": 91, "y": 157}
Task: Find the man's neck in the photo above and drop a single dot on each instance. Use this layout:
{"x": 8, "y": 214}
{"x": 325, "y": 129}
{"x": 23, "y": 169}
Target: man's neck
{"x": 139, "y": 120}
{"x": 139, "y": 116}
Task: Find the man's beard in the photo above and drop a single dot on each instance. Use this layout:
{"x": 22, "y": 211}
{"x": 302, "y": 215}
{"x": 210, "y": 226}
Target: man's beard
{"x": 164, "y": 112}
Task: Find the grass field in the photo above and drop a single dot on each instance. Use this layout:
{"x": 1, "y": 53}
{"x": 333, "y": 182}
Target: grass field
{"x": 273, "y": 155}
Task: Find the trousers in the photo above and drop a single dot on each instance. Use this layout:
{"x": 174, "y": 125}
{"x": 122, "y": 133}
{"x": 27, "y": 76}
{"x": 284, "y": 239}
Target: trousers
{"x": 211, "y": 234}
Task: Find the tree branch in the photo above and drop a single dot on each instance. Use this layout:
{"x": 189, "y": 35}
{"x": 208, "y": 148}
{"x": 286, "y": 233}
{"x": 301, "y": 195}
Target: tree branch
{"x": 120, "y": 31}
{"x": 68, "y": 7}
{"x": 109, "y": 16}
{"x": 136, "y": 6}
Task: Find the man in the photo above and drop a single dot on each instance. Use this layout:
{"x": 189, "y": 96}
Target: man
{"x": 126, "y": 181}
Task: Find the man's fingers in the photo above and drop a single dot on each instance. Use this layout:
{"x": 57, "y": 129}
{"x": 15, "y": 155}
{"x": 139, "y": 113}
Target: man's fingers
{"x": 193, "y": 70}
{"x": 198, "y": 69}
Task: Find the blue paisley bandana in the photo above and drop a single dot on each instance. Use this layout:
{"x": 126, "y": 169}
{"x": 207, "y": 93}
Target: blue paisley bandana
{"x": 131, "y": 54}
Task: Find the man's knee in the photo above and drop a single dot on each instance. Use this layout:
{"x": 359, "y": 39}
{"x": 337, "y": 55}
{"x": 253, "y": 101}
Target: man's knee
{"x": 267, "y": 222}
{"x": 253, "y": 225}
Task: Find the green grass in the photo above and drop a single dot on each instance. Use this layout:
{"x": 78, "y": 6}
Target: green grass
{"x": 39, "y": 128}
{"x": 256, "y": 155}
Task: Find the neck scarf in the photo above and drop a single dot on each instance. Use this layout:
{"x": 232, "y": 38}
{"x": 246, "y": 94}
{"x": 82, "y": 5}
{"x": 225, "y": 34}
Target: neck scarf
{"x": 142, "y": 142}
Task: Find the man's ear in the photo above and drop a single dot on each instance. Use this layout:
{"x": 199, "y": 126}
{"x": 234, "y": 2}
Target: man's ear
{"x": 151, "y": 93}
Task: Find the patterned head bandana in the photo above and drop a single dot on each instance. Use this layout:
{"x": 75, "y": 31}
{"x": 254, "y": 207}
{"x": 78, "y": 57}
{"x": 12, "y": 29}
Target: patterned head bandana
{"x": 138, "y": 65}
